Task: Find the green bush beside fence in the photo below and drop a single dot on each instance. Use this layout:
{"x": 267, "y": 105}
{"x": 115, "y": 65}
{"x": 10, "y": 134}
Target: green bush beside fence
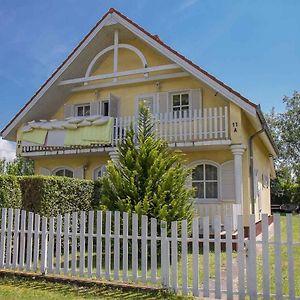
{"x": 48, "y": 196}
{"x": 10, "y": 192}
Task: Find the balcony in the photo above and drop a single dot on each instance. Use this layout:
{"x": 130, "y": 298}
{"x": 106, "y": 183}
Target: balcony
{"x": 191, "y": 128}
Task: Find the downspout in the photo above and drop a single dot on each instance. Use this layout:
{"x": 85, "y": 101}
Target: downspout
{"x": 251, "y": 168}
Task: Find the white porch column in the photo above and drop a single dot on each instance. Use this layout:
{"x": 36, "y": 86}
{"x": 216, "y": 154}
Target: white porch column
{"x": 238, "y": 150}
{"x": 114, "y": 156}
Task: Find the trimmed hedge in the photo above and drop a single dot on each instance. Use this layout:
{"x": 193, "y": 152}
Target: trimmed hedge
{"x": 51, "y": 195}
{"x": 10, "y": 192}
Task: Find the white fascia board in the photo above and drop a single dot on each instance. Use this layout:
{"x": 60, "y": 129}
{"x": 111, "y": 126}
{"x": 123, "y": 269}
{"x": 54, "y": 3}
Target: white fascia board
{"x": 57, "y": 75}
{"x": 189, "y": 68}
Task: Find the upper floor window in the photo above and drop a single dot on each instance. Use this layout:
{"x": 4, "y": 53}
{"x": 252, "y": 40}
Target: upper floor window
{"x": 147, "y": 101}
{"x": 64, "y": 172}
{"x": 83, "y": 110}
{"x": 105, "y": 108}
{"x": 180, "y": 103}
{"x": 205, "y": 181}
{"x": 99, "y": 172}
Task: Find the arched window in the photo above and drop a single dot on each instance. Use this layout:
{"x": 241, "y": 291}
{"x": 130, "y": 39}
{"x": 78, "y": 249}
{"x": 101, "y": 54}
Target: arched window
{"x": 205, "y": 181}
{"x": 64, "y": 172}
{"x": 98, "y": 172}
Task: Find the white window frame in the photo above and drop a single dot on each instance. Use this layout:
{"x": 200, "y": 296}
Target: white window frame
{"x": 64, "y": 169}
{"x": 83, "y": 105}
{"x": 180, "y": 93}
{"x": 97, "y": 169}
{"x": 101, "y": 109}
{"x": 207, "y": 200}
{"x": 140, "y": 97}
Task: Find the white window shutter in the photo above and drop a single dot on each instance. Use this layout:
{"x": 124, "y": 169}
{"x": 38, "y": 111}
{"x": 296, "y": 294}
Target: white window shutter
{"x": 113, "y": 105}
{"x": 163, "y": 102}
{"x": 196, "y": 100}
{"x": 227, "y": 181}
{"x": 45, "y": 172}
{"x": 69, "y": 111}
{"x": 79, "y": 173}
{"x": 94, "y": 108}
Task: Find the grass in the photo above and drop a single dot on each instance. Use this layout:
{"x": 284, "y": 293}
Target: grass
{"x": 15, "y": 288}
{"x": 284, "y": 260}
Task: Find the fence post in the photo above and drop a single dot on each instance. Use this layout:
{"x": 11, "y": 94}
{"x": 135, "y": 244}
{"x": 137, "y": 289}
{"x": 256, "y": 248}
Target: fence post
{"x": 2, "y": 240}
{"x": 251, "y": 260}
{"x": 44, "y": 246}
{"x": 165, "y": 259}
{"x": 196, "y": 257}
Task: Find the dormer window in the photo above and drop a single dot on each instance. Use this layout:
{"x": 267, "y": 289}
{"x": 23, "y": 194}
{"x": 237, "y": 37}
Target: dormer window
{"x": 83, "y": 110}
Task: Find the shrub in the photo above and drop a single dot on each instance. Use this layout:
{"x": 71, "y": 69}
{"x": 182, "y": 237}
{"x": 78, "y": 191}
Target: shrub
{"x": 50, "y": 196}
{"x": 10, "y": 192}
{"x": 149, "y": 179}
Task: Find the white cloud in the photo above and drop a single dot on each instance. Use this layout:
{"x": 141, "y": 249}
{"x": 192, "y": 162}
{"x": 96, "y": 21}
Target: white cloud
{"x": 7, "y": 150}
{"x": 185, "y": 4}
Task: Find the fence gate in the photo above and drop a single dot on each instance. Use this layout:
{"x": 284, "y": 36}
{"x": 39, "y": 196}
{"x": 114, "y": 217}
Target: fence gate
{"x": 198, "y": 258}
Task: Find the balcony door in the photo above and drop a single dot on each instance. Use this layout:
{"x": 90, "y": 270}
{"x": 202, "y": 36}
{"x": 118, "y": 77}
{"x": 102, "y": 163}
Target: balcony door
{"x": 148, "y": 101}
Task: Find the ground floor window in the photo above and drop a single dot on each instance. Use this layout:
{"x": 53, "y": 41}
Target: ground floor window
{"x": 98, "y": 172}
{"x": 205, "y": 181}
{"x": 64, "y": 172}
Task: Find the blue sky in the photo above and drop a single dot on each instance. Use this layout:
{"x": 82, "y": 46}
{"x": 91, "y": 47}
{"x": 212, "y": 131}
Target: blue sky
{"x": 253, "y": 46}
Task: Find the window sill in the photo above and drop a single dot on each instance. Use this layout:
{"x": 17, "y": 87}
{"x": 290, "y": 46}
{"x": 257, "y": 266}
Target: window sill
{"x": 206, "y": 201}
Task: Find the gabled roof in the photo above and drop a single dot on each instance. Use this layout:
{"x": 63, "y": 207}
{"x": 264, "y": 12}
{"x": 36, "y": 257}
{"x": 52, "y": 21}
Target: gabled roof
{"x": 113, "y": 16}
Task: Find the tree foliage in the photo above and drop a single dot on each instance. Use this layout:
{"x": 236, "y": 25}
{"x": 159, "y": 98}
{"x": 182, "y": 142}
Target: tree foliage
{"x": 20, "y": 166}
{"x": 149, "y": 178}
{"x": 285, "y": 128}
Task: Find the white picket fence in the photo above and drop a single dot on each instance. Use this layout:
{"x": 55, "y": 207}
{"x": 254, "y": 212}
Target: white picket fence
{"x": 124, "y": 247}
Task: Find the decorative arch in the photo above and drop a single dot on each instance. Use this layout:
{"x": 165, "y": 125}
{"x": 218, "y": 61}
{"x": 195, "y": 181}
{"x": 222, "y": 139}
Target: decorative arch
{"x": 206, "y": 180}
{"x": 115, "y": 48}
{"x": 65, "y": 171}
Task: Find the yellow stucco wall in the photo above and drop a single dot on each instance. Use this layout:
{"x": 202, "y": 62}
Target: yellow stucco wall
{"x": 89, "y": 162}
{"x": 240, "y": 128}
{"x": 127, "y": 94}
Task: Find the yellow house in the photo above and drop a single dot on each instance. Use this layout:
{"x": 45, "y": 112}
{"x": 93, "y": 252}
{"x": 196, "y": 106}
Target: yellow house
{"x": 73, "y": 123}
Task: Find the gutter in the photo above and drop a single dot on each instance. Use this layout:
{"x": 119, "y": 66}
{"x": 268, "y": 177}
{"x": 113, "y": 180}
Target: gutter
{"x": 251, "y": 168}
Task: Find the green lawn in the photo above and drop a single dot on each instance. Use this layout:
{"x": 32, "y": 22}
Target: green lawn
{"x": 15, "y": 288}
{"x": 284, "y": 259}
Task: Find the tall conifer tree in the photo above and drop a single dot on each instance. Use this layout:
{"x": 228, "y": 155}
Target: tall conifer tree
{"x": 149, "y": 178}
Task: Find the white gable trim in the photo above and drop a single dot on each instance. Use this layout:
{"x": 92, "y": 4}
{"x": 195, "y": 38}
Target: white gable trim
{"x": 56, "y": 76}
{"x": 189, "y": 68}
{"x": 114, "y": 18}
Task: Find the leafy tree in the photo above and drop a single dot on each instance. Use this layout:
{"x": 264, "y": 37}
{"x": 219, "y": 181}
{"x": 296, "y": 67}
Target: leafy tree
{"x": 2, "y": 166}
{"x": 285, "y": 128}
{"x": 20, "y": 166}
{"x": 149, "y": 178}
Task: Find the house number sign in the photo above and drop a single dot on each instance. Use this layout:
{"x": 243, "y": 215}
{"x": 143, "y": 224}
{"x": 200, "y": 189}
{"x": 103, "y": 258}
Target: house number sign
{"x": 234, "y": 125}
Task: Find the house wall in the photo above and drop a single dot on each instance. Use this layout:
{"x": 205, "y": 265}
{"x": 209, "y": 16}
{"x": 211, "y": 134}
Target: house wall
{"x": 127, "y": 94}
{"x": 240, "y": 127}
{"x": 88, "y": 162}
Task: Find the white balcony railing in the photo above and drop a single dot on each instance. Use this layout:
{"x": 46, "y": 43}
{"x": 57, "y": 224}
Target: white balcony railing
{"x": 191, "y": 126}
{"x": 209, "y": 124}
